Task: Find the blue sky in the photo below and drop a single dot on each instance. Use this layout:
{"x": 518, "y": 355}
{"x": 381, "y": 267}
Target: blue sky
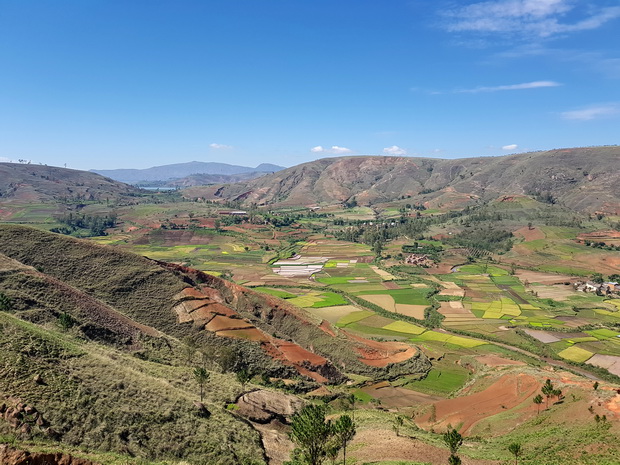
{"x": 98, "y": 84}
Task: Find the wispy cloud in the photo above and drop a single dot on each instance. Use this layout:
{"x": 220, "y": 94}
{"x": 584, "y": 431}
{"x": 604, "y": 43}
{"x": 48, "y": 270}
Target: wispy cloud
{"x": 523, "y": 86}
{"x": 510, "y": 147}
{"x": 394, "y": 150}
{"x": 334, "y": 149}
{"x": 592, "y": 112}
{"x": 220, "y": 146}
{"x": 538, "y": 18}
{"x": 599, "y": 61}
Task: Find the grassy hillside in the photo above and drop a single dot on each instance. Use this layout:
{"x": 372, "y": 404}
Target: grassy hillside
{"x": 100, "y": 399}
{"x": 580, "y": 178}
{"x": 39, "y": 183}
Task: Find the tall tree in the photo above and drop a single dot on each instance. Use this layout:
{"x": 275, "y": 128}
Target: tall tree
{"x": 516, "y": 450}
{"x": 311, "y": 433}
{"x": 244, "y": 376}
{"x": 548, "y": 390}
{"x": 398, "y": 423}
{"x": 5, "y": 302}
{"x": 538, "y": 400}
{"x": 189, "y": 349}
{"x": 201, "y": 376}
{"x": 352, "y": 399}
{"x": 453, "y": 439}
{"x": 344, "y": 430}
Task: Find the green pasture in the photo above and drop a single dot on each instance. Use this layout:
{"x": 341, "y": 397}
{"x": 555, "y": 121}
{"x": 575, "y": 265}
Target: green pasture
{"x": 412, "y": 296}
{"x": 441, "y": 380}
{"x": 275, "y": 292}
{"x": 404, "y": 327}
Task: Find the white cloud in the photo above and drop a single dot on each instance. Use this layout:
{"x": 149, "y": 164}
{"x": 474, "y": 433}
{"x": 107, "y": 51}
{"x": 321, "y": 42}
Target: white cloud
{"x": 220, "y": 146}
{"x": 525, "y": 85}
{"x": 339, "y": 150}
{"x": 334, "y": 149}
{"x": 394, "y": 150}
{"x": 592, "y": 112}
{"x": 5, "y": 160}
{"x": 510, "y": 147}
{"x": 526, "y": 17}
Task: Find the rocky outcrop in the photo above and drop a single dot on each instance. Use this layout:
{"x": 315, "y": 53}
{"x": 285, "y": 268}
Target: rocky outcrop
{"x": 24, "y": 418}
{"x": 262, "y": 406}
{"x": 12, "y": 456}
{"x": 270, "y": 414}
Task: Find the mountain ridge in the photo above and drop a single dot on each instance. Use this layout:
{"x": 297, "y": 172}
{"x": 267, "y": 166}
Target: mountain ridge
{"x": 581, "y": 178}
{"x": 181, "y": 170}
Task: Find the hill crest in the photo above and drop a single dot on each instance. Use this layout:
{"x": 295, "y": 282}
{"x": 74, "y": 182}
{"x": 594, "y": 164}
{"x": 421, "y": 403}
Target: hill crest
{"x": 580, "y": 178}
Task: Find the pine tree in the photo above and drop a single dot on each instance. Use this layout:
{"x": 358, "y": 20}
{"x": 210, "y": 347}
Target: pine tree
{"x": 344, "y": 430}
{"x": 201, "y": 376}
{"x": 548, "y": 390}
{"x": 311, "y": 433}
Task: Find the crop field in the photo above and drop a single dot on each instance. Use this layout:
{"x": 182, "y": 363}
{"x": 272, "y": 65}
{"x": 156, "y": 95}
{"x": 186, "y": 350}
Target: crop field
{"x": 334, "y": 314}
{"x": 441, "y": 380}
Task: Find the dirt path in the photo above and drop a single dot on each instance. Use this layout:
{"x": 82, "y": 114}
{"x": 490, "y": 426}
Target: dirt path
{"x": 512, "y": 294}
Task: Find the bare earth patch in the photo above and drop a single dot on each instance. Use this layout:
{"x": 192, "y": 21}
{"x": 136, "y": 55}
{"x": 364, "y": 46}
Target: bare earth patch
{"x": 610, "y": 362}
{"x": 398, "y": 397}
{"x": 542, "y": 336}
{"x": 380, "y": 445}
{"x": 390, "y": 285}
{"x": 382, "y": 300}
{"x": 559, "y": 292}
{"x": 543, "y": 278}
{"x": 530, "y": 234}
{"x": 507, "y": 392}
{"x": 414, "y": 311}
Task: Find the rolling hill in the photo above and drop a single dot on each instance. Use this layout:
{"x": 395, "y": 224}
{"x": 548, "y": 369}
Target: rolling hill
{"x": 39, "y": 183}
{"x": 97, "y": 336}
{"x": 580, "y": 178}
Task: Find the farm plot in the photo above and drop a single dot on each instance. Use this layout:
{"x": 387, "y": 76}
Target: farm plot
{"x": 455, "y": 312}
{"x": 610, "y": 362}
{"x": 300, "y": 267}
{"x": 575, "y": 354}
{"x": 542, "y": 336}
{"x": 334, "y": 314}
{"x": 318, "y": 299}
{"x": 447, "y": 339}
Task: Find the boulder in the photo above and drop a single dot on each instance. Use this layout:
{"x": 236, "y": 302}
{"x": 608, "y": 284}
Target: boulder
{"x": 262, "y": 406}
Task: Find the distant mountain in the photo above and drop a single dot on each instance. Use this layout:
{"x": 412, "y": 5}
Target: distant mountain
{"x": 181, "y": 170}
{"x": 587, "y": 179}
{"x": 205, "y": 179}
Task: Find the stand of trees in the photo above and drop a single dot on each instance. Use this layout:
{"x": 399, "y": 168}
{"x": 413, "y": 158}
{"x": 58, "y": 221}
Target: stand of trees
{"x": 317, "y": 439}
{"x": 94, "y": 225}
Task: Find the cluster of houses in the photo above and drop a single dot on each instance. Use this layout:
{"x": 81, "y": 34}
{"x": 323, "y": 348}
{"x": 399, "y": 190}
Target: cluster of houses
{"x": 609, "y": 288}
{"x": 419, "y": 259}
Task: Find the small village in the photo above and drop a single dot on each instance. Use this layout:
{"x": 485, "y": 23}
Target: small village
{"x": 611, "y": 289}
